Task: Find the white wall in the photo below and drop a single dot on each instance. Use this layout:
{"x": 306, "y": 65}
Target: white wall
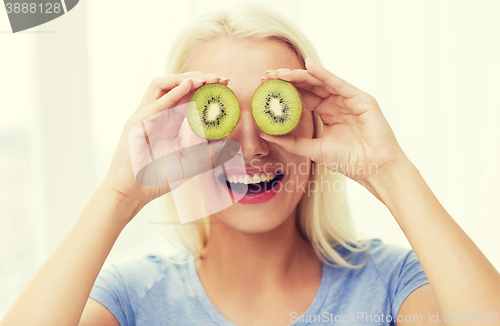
{"x": 68, "y": 86}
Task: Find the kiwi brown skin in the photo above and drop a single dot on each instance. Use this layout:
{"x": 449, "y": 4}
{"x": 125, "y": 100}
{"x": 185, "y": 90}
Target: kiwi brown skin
{"x": 199, "y": 111}
{"x": 277, "y": 107}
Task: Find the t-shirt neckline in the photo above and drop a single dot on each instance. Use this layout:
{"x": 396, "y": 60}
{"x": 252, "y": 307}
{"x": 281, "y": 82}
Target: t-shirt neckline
{"x": 219, "y": 319}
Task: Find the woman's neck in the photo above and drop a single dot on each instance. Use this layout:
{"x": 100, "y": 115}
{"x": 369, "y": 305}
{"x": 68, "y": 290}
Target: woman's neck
{"x": 257, "y": 262}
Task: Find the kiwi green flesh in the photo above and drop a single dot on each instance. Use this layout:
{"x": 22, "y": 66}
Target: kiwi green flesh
{"x": 214, "y": 111}
{"x": 276, "y": 107}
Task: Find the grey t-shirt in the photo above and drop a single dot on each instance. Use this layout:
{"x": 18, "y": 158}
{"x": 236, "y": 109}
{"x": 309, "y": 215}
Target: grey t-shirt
{"x": 153, "y": 291}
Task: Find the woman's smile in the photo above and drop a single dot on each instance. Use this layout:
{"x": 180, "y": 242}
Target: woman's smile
{"x": 257, "y": 185}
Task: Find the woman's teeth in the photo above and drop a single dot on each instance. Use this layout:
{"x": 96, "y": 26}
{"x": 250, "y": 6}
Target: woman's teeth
{"x": 250, "y": 178}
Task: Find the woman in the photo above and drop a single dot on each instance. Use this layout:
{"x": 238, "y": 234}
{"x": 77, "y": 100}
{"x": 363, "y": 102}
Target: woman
{"x": 293, "y": 258}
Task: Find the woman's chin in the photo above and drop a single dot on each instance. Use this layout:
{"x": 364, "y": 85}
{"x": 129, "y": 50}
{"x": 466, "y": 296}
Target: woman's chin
{"x": 261, "y": 218}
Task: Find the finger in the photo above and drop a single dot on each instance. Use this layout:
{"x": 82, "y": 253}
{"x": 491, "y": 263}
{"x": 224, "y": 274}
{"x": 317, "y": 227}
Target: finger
{"x": 208, "y": 77}
{"x": 192, "y": 73}
{"x": 199, "y": 158}
{"x": 303, "y": 79}
{"x": 161, "y": 85}
{"x": 185, "y": 163}
{"x": 310, "y": 100}
{"x": 299, "y": 76}
{"x": 171, "y": 98}
{"x": 339, "y": 85}
{"x": 332, "y": 103}
{"x": 168, "y": 100}
{"x": 270, "y": 74}
{"x": 312, "y": 96}
{"x": 300, "y": 146}
{"x": 300, "y": 79}
{"x": 316, "y": 95}
{"x": 318, "y": 91}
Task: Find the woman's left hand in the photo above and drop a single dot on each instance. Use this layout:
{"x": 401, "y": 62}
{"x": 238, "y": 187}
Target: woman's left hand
{"x": 357, "y": 141}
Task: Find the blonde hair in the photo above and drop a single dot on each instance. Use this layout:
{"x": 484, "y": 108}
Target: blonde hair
{"x": 323, "y": 217}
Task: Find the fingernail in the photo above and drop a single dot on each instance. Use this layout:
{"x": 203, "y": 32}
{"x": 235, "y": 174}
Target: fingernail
{"x": 213, "y": 75}
{"x": 279, "y": 70}
{"x": 264, "y": 136}
{"x": 224, "y": 79}
{"x": 309, "y": 60}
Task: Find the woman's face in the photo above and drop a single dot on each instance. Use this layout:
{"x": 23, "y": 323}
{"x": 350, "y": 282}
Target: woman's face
{"x": 263, "y": 208}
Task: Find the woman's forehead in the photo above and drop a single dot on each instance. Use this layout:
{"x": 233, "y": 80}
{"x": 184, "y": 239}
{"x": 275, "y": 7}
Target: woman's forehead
{"x": 226, "y": 57}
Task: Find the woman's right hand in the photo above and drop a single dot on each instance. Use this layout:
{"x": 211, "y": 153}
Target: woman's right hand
{"x": 163, "y": 94}
{"x": 78, "y": 259}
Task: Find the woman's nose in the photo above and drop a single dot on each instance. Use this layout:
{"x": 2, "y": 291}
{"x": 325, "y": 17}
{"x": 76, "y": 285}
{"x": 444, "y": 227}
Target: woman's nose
{"x": 247, "y": 134}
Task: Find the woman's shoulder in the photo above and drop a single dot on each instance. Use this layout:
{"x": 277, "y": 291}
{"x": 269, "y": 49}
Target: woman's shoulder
{"x": 386, "y": 276}
{"x": 374, "y": 250}
{"x": 392, "y": 266}
{"x": 382, "y": 253}
{"x": 150, "y": 267}
{"x": 138, "y": 276}
{"x": 123, "y": 287}
{"x": 392, "y": 260}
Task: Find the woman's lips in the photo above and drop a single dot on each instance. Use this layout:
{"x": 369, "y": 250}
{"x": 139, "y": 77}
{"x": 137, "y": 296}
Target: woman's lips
{"x": 252, "y": 187}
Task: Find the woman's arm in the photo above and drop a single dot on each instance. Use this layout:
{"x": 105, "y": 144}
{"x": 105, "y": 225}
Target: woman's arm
{"x": 462, "y": 278}
{"x": 357, "y": 137}
{"x": 58, "y": 292}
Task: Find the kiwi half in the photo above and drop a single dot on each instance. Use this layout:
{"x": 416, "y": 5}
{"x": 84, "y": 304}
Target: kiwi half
{"x": 276, "y": 107}
{"x": 214, "y": 111}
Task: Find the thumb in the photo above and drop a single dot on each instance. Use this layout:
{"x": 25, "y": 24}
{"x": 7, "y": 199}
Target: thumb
{"x": 301, "y": 146}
